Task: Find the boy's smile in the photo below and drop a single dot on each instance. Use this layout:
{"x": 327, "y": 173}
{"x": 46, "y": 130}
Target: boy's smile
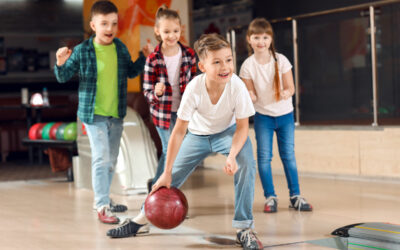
{"x": 218, "y": 66}
{"x": 105, "y": 27}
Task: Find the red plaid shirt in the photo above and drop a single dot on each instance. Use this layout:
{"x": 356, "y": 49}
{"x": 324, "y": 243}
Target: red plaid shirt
{"x": 155, "y": 71}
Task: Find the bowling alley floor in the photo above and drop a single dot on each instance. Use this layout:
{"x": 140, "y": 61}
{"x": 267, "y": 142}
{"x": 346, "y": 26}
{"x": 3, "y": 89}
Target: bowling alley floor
{"x": 52, "y": 214}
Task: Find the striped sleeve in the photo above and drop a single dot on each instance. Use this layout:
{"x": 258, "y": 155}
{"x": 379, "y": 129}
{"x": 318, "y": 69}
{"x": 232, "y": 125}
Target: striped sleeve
{"x": 149, "y": 80}
{"x": 193, "y": 69}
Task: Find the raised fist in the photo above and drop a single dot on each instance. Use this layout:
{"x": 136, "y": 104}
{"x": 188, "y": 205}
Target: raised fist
{"x": 62, "y": 55}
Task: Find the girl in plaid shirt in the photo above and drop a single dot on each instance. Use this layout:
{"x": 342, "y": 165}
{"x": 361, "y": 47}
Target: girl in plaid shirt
{"x": 167, "y": 72}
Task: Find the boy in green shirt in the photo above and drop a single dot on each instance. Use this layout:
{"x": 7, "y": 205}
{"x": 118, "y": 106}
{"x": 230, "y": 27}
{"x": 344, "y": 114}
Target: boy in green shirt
{"x": 104, "y": 64}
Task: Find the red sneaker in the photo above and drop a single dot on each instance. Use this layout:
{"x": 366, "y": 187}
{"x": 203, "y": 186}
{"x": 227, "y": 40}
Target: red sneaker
{"x": 106, "y": 216}
{"x": 271, "y": 205}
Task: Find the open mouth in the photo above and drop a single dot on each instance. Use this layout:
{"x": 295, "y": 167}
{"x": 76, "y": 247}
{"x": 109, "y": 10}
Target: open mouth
{"x": 109, "y": 35}
{"x": 223, "y": 75}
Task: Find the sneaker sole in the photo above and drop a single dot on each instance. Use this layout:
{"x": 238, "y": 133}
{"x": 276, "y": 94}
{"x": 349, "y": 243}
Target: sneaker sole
{"x": 301, "y": 210}
{"x": 144, "y": 232}
{"x": 109, "y": 223}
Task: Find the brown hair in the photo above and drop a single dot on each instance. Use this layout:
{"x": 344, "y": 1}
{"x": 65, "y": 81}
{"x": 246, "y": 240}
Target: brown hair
{"x": 210, "y": 42}
{"x": 164, "y": 12}
{"x": 103, "y": 7}
{"x": 260, "y": 26}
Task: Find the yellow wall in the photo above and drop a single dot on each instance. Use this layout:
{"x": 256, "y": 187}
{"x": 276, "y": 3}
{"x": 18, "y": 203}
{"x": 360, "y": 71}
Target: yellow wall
{"x": 135, "y": 24}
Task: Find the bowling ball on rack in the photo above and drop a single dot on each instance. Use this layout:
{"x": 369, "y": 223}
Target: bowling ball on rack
{"x": 33, "y": 131}
{"x": 53, "y": 130}
{"x": 46, "y": 131}
{"x": 40, "y": 131}
{"x": 166, "y": 208}
{"x": 60, "y": 131}
{"x": 70, "y": 132}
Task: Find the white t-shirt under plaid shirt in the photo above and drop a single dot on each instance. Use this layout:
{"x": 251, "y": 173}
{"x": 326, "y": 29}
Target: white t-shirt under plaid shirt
{"x": 206, "y": 118}
{"x": 173, "y": 64}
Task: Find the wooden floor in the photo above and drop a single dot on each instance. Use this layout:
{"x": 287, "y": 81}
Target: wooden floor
{"x": 52, "y": 214}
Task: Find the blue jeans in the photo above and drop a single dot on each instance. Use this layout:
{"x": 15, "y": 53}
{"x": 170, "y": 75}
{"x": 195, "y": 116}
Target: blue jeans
{"x": 195, "y": 148}
{"x": 104, "y": 137}
{"x": 164, "y": 136}
{"x": 264, "y": 127}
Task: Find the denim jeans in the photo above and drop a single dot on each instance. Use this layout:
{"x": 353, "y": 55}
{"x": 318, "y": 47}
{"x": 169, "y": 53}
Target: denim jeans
{"x": 195, "y": 148}
{"x": 104, "y": 137}
{"x": 264, "y": 127}
{"x": 164, "y": 136}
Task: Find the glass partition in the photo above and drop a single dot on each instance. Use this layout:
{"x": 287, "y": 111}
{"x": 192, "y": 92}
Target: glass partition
{"x": 335, "y": 69}
{"x": 335, "y": 65}
{"x": 388, "y": 59}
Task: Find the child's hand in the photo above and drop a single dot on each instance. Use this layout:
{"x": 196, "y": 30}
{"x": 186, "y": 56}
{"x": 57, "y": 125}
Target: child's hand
{"x": 285, "y": 94}
{"x": 62, "y": 55}
{"x": 164, "y": 181}
{"x": 147, "y": 49}
{"x": 159, "y": 89}
{"x": 253, "y": 96}
{"x": 230, "y": 167}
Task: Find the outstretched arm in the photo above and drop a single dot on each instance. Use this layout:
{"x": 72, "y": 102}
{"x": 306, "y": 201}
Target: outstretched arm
{"x": 175, "y": 141}
{"x": 238, "y": 140}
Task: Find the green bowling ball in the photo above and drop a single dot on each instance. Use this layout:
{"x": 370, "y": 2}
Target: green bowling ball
{"x": 46, "y": 131}
{"x": 70, "y": 132}
{"x": 60, "y": 131}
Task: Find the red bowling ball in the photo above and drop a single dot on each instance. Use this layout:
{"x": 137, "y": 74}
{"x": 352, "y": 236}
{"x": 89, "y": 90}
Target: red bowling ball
{"x": 166, "y": 208}
{"x": 53, "y": 130}
{"x": 40, "y": 131}
{"x": 33, "y": 131}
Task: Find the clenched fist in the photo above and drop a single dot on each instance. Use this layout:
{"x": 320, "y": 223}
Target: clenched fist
{"x": 62, "y": 55}
{"x": 285, "y": 94}
{"x": 159, "y": 88}
{"x": 253, "y": 96}
{"x": 147, "y": 49}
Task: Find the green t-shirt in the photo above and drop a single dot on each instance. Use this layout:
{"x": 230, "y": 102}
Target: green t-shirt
{"x": 107, "y": 80}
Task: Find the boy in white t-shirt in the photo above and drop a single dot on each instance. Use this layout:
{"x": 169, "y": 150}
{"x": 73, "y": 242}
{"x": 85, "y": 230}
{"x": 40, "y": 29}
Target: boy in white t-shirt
{"x": 215, "y": 107}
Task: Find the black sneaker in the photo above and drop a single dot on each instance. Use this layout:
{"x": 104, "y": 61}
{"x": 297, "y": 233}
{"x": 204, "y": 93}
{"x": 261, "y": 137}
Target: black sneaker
{"x": 299, "y": 203}
{"x": 117, "y": 208}
{"x": 248, "y": 240}
{"x": 271, "y": 205}
{"x": 127, "y": 229}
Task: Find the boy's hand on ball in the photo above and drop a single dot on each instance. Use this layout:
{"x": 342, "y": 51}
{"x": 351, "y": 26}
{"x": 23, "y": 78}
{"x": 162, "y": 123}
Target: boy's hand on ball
{"x": 164, "y": 181}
